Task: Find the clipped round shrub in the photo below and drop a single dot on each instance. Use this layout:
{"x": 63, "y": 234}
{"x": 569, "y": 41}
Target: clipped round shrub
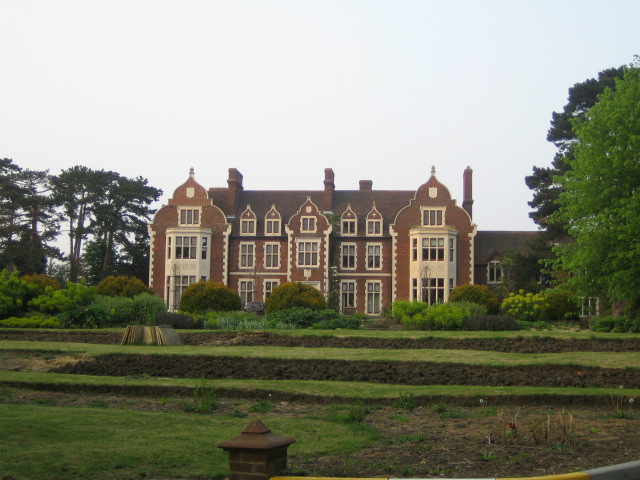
{"x": 203, "y": 296}
{"x": 289, "y": 295}
{"x": 121, "y": 286}
{"x": 480, "y": 294}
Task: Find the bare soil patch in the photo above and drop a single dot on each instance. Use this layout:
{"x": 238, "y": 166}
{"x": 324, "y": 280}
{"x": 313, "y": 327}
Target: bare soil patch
{"x": 507, "y": 345}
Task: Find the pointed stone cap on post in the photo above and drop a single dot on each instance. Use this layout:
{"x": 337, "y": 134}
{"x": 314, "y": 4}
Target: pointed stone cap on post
{"x": 256, "y": 437}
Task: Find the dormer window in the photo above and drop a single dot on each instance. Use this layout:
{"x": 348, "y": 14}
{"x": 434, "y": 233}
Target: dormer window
{"x": 247, "y": 226}
{"x": 374, "y": 222}
{"x": 189, "y": 216}
{"x": 374, "y": 227}
{"x": 248, "y": 222}
{"x": 308, "y": 224}
{"x": 272, "y": 222}
{"x": 433, "y": 218}
{"x": 349, "y": 223}
{"x": 348, "y": 227}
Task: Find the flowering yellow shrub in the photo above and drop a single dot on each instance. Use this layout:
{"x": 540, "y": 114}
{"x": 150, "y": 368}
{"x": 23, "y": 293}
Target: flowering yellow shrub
{"x": 525, "y": 306}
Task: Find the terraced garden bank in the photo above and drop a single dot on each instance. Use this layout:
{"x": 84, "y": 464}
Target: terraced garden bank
{"x": 442, "y": 405}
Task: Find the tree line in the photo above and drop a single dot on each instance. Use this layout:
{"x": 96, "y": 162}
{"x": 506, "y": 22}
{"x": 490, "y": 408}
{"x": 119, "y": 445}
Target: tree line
{"x": 103, "y": 214}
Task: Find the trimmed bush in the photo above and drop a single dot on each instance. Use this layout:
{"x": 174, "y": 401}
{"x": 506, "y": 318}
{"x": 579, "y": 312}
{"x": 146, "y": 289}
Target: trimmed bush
{"x": 490, "y": 323}
{"x": 620, "y": 324}
{"x": 203, "y": 296}
{"x": 443, "y": 316}
{"x": 121, "y": 286}
{"x": 404, "y": 310}
{"x": 480, "y": 294}
{"x": 147, "y": 307}
{"x": 80, "y": 316}
{"x": 33, "y": 322}
{"x": 120, "y": 308}
{"x": 290, "y": 295}
{"x": 301, "y": 317}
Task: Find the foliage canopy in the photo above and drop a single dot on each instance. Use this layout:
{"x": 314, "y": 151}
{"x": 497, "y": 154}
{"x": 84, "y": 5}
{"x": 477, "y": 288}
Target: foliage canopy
{"x": 600, "y": 201}
{"x": 204, "y": 296}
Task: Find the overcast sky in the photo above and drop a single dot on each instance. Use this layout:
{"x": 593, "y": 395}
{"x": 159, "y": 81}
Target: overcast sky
{"x": 376, "y": 90}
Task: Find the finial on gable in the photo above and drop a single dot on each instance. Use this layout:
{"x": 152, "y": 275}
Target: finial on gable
{"x": 433, "y": 171}
{"x": 191, "y": 173}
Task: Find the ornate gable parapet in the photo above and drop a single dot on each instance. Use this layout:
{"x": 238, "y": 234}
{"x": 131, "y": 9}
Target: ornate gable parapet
{"x": 190, "y": 193}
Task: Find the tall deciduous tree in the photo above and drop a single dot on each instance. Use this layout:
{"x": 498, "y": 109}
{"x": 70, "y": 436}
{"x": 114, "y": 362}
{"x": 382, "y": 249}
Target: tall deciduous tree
{"x": 582, "y": 97}
{"x": 600, "y": 201}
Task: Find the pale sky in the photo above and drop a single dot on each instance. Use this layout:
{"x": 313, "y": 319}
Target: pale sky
{"x": 377, "y": 90}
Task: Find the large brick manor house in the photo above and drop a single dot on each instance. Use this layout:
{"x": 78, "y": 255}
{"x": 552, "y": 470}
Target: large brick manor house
{"x": 370, "y": 246}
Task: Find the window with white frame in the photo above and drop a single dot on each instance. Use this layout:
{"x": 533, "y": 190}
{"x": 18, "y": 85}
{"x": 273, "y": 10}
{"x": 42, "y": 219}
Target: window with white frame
{"x": 272, "y": 226}
{"x": 205, "y": 246}
{"x": 374, "y": 290}
{"x": 169, "y": 248}
{"x": 189, "y": 216}
{"x": 432, "y": 218}
{"x": 433, "y": 290}
{"x": 349, "y": 226}
{"x": 452, "y": 250}
{"x": 347, "y": 294}
{"x": 414, "y": 289}
{"x": 271, "y": 255}
{"x": 248, "y": 226}
{"x": 414, "y": 249}
{"x": 374, "y": 227}
{"x": 348, "y": 255}
{"x": 269, "y": 286}
{"x": 247, "y": 255}
{"x": 433, "y": 249}
{"x": 308, "y": 224}
{"x": 374, "y": 256}
{"x": 186, "y": 247}
{"x": 308, "y": 253}
{"x": 246, "y": 291}
{"x": 494, "y": 274}
{"x": 176, "y": 285}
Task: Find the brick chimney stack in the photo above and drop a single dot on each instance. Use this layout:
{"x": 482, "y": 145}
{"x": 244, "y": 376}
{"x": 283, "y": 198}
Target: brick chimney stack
{"x": 235, "y": 186}
{"x": 467, "y": 202}
{"x": 329, "y": 187}
{"x": 366, "y": 185}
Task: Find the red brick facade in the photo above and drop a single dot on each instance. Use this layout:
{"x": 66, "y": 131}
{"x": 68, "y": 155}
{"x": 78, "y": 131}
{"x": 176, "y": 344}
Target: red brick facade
{"x": 369, "y": 247}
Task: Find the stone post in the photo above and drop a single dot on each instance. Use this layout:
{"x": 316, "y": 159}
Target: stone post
{"x": 256, "y": 454}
